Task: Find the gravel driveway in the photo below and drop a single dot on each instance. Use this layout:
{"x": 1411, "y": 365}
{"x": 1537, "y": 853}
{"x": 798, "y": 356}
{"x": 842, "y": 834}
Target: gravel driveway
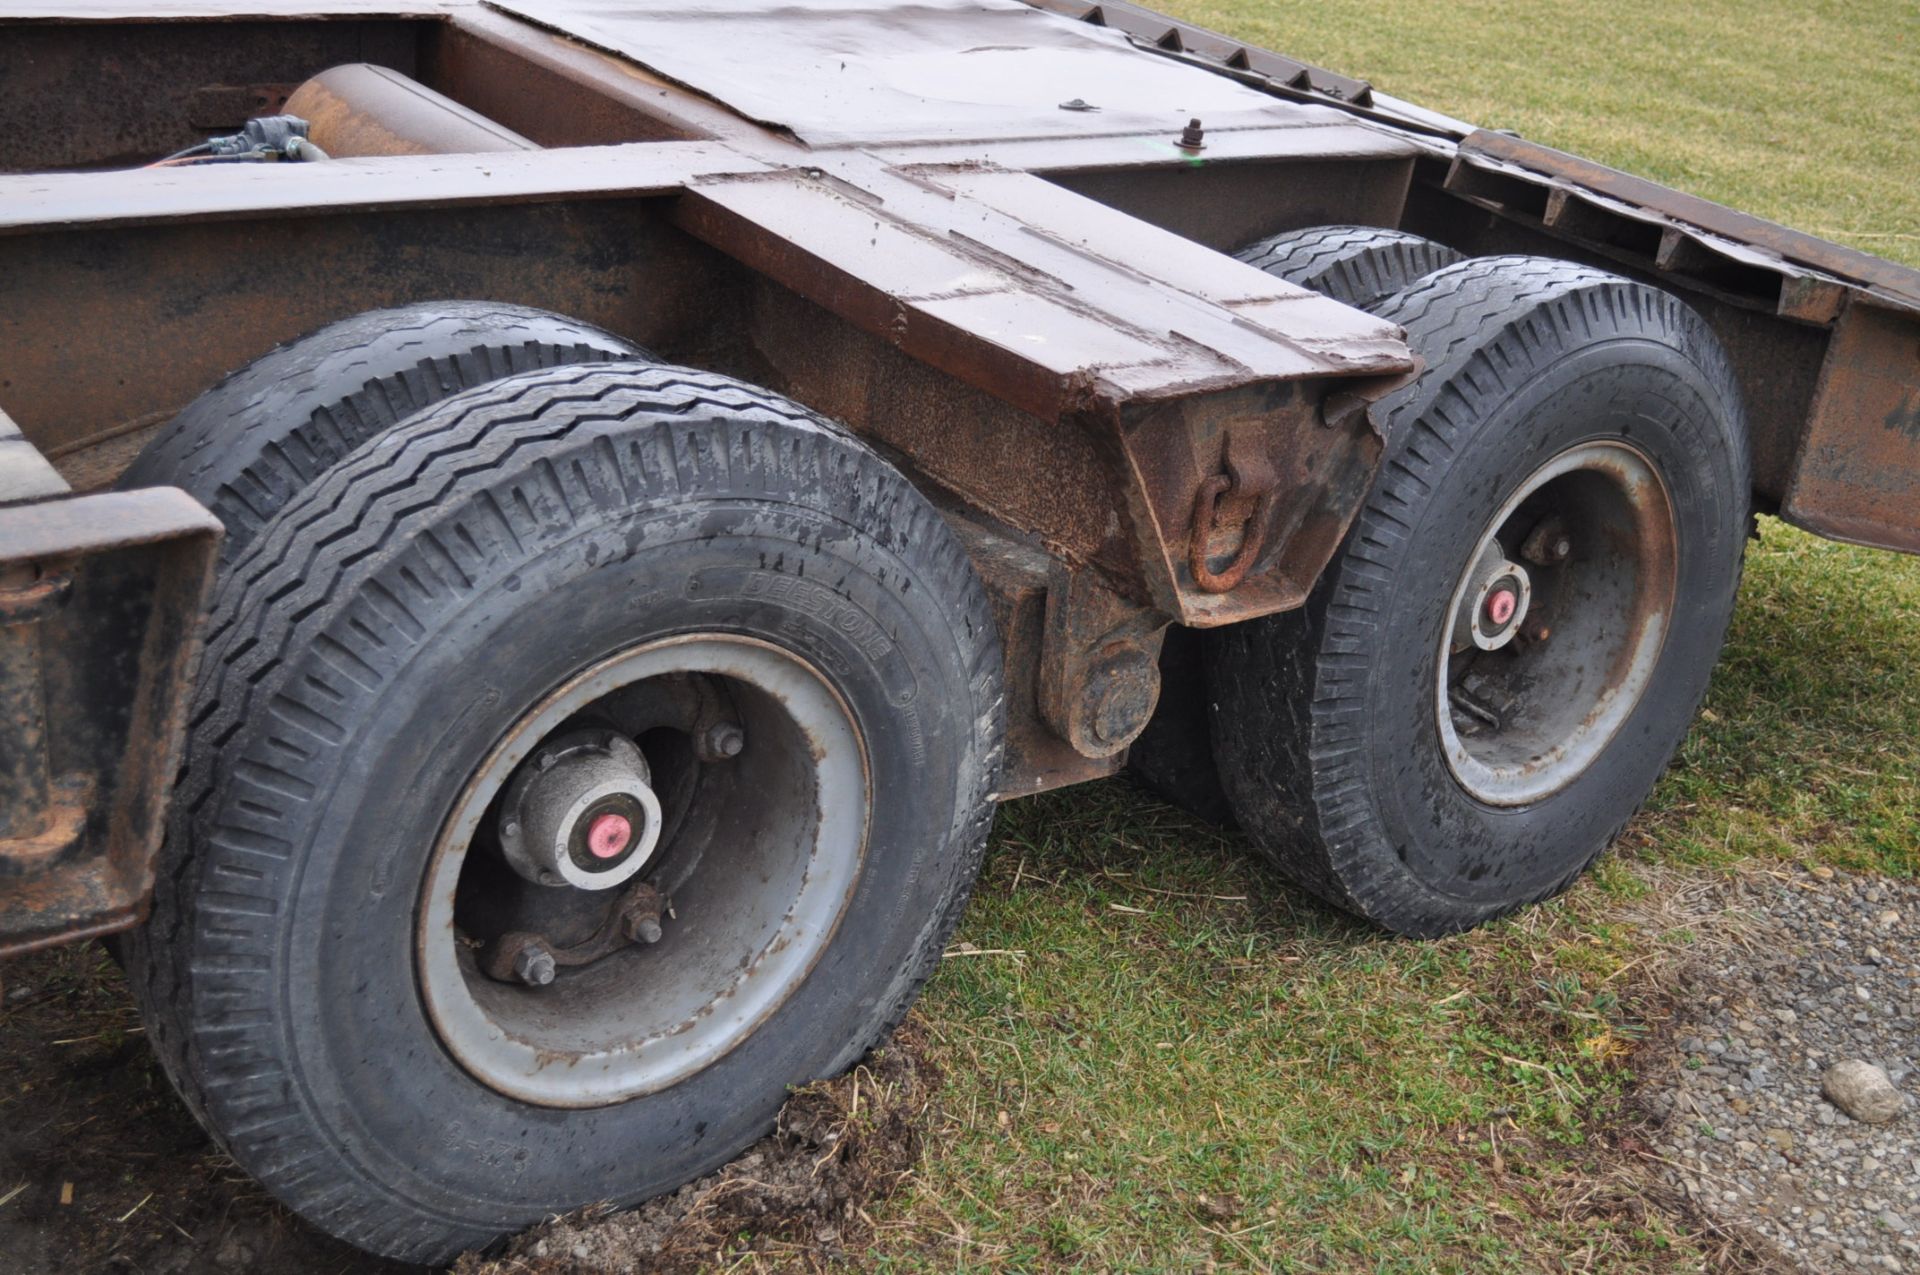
{"x": 1815, "y": 969}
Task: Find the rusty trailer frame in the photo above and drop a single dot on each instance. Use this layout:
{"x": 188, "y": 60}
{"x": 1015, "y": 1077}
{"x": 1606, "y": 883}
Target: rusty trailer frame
{"x": 989, "y": 237}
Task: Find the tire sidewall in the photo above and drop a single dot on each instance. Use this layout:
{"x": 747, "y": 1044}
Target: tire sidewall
{"x": 372, "y": 1073}
{"x": 1427, "y": 832}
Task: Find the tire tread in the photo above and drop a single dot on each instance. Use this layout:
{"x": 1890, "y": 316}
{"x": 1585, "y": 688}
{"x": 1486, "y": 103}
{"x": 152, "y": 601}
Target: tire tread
{"x": 1482, "y": 325}
{"x": 397, "y": 517}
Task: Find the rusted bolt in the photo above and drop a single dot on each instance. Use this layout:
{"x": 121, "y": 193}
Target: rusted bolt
{"x": 1547, "y": 544}
{"x": 534, "y": 965}
{"x": 723, "y": 740}
{"x": 640, "y": 927}
{"x": 1193, "y": 137}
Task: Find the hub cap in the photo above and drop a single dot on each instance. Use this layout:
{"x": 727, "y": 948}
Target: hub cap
{"x": 1557, "y": 624}
{"x": 581, "y": 812}
{"x": 756, "y": 852}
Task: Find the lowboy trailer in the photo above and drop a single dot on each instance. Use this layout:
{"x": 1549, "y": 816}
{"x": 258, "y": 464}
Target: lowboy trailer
{"x": 533, "y": 536}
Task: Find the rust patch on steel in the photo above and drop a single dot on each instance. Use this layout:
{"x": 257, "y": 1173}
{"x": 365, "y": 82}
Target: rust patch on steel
{"x": 1857, "y": 474}
{"x": 1017, "y": 576}
{"x": 95, "y": 677}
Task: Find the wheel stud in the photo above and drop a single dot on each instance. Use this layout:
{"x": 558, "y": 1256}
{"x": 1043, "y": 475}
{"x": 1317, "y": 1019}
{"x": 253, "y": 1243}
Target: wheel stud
{"x": 642, "y": 929}
{"x": 1548, "y": 544}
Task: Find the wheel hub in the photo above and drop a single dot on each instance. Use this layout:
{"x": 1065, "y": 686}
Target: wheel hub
{"x": 578, "y": 997}
{"x": 1493, "y": 608}
{"x": 581, "y": 812}
{"x": 1556, "y": 624}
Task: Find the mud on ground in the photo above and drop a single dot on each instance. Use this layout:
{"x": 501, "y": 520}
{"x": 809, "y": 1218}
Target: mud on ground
{"x": 103, "y": 1169}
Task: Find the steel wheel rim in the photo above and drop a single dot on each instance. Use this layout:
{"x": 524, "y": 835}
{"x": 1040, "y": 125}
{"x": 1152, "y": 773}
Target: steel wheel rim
{"x": 1524, "y": 719}
{"x": 626, "y": 1029}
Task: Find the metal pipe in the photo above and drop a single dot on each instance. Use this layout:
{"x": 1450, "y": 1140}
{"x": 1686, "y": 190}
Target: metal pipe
{"x": 361, "y": 109}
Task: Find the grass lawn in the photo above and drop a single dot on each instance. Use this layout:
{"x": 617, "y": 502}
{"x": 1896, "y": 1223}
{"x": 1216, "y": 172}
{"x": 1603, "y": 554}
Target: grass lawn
{"x": 1160, "y": 1057}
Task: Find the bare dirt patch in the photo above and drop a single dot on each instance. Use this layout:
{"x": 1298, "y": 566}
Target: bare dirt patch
{"x": 103, "y": 1169}
{"x": 799, "y": 1193}
{"x": 101, "y": 1166}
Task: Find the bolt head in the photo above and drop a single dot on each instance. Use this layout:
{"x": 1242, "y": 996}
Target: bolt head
{"x": 534, "y": 967}
{"x": 724, "y": 739}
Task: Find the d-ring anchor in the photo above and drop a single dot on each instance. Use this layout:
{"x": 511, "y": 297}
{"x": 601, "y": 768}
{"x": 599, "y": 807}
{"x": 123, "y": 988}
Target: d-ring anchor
{"x": 1248, "y": 478}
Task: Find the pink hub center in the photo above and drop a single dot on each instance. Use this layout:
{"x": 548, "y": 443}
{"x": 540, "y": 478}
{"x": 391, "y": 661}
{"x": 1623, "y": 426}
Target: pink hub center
{"x": 608, "y": 835}
{"x": 1500, "y": 606}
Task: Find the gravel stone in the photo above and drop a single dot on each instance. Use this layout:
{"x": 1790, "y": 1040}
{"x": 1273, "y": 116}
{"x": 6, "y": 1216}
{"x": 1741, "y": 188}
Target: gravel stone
{"x": 1863, "y": 1091}
{"x": 1741, "y": 1096}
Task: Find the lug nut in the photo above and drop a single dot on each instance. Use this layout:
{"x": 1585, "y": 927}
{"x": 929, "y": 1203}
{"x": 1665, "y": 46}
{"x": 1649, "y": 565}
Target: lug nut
{"x": 723, "y": 740}
{"x": 534, "y": 966}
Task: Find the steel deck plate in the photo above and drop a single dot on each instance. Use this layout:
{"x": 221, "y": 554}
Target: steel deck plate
{"x": 858, "y": 72}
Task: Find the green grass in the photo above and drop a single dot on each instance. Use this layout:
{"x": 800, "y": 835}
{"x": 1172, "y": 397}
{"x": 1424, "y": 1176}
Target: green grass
{"x": 1802, "y": 111}
{"x": 1159, "y": 1057}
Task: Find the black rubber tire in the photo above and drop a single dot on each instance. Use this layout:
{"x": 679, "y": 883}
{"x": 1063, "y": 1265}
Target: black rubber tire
{"x": 363, "y": 654}
{"x": 1360, "y": 266}
{"x": 1173, "y": 757}
{"x": 1324, "y": 730}
{"x": 269, "y": 430}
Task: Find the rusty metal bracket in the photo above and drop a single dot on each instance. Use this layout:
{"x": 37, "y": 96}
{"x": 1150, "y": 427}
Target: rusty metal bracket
{"x": 1099, "y": 664}
{"x": 40, "y": 820}
{"x": 1243, "y": 496}
{"x": 100, "y": 603}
